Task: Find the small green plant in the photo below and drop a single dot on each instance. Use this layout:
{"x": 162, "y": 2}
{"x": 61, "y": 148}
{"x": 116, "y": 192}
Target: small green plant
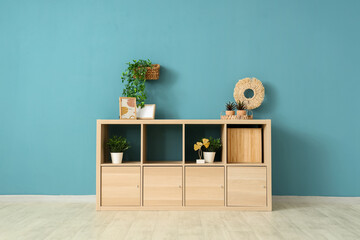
{"x": 118, "y": 144}
{"x": 134, "y": 78}
{"x": 215, "y": 145}
{"x": 240, "y": 105}
{"x": 230, "y": 106}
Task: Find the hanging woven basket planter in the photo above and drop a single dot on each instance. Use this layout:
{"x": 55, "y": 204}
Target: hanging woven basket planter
{"x": 153, "y": 73}
{"x": 253, "y": 84}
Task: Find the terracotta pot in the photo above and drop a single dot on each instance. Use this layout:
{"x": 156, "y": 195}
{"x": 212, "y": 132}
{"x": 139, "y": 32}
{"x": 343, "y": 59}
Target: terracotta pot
{"x": 241, "y": 112}
{"x": 230, "y": 113}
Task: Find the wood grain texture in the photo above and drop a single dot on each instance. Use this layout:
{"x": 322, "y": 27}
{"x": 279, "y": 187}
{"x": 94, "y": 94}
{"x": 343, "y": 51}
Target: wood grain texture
{"x": 101, "y": 154}
{"x": 120, "y": 186}
{"x": 143, "y": 131}
{"x": 224, "y": 143}
{"x": 246, "y": 186}
{"x": 204, "y": 186}
{"x": 184, "y": 121}
{"x": 244, "y": 145}
{"x": 267, "y": 161}
{"x": 102, "y": 163}
{"x": 163, "y": 186}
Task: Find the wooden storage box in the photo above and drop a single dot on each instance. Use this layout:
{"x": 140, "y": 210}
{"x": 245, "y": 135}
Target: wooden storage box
{"x": 244, "y": 145}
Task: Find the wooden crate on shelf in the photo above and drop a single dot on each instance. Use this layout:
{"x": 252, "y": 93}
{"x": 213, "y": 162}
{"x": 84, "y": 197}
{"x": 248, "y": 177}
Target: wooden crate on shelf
{"x": 244, "y": 145}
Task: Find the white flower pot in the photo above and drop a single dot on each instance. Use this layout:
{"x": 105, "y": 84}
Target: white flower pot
{"x": 117, "y": 157}
{"x": 209, "y": 157}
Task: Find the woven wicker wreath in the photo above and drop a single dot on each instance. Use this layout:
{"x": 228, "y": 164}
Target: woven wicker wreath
{"x": 253, "y": 84}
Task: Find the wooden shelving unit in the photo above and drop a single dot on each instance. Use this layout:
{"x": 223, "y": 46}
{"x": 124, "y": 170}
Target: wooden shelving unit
{"x": 221, "y": 185}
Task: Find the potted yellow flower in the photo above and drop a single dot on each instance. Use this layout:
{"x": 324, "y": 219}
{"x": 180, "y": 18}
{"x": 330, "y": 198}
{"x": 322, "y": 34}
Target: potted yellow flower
{"x": 198, "y": 147}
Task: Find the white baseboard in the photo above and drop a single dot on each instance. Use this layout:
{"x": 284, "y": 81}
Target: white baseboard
{"x": 48, "y": 198}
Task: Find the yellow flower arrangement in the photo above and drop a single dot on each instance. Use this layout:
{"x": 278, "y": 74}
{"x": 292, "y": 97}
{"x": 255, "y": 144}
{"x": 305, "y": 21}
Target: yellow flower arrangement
{"x": 198, "y": 145}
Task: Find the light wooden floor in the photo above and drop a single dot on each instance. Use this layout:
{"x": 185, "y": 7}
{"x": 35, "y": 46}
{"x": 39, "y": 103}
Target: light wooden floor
{"x": 74, "y": 217}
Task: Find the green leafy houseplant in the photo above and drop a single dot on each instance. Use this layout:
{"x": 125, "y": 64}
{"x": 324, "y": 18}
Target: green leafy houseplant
{"x": 118, "y": 144}
{"x": 134, "y": 78}
{"x": 215, "y": 145}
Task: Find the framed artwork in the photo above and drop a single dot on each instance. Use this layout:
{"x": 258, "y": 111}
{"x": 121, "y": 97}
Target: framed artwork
{"x": 127, "y": 108}
{"x": 147, "y": 112}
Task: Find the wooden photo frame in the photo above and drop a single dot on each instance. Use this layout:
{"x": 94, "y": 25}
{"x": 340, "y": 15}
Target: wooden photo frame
{"x": 147, "y": 112}
{"x": 127, "y": 108}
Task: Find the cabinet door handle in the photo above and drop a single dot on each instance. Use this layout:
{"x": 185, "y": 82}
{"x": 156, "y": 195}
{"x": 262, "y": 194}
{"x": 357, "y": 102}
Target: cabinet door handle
{"x": 222, "y": 186}
{"x": 137, "y": 186}
{"x": 180, "y": 186}
{"x": 264, "y": 186}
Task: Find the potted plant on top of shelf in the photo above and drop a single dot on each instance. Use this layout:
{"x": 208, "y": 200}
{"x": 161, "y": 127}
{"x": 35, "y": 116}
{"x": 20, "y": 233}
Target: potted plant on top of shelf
{"x": 134, "y": 78}
{"x": 241, "y": 108}
{"x": 210, "y": 151}
{"x": 230, "y": 106}
{"x": 118, "y": 145}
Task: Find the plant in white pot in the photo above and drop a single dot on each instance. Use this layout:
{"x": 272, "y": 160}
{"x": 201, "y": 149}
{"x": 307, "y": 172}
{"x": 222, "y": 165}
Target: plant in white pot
{"x": 118, "y": 145}
{"x": 210, "y": 151}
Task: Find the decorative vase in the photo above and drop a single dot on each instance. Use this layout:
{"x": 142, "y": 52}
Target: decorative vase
{"x": 241, "y": 112}
{"x": 229, "y": 113}
{"x": 209, "y": 157}
{"x": 116, "y": 157}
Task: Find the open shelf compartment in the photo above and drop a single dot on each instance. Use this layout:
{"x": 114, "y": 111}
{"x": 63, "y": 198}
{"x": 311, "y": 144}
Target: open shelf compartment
{"x": 195, "y": 132}
{"x": 162, "y": 144}
{"x": 132, "y": 133}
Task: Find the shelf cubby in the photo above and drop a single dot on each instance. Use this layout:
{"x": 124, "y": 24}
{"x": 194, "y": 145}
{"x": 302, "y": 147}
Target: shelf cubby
{"x": 164, "y": 149}
{"x": 162, "y": 144}
{"x": 132, "y": 134}
{"x": 245, "y": 145}
{"x": 195, "y": 132}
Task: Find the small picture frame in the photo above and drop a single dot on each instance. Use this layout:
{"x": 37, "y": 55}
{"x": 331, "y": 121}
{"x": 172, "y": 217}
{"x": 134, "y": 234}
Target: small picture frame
{"x": 127, "y": 108}
{"x": 147, "y": 112}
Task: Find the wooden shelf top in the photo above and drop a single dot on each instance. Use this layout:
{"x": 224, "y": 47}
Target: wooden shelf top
{"x": 247, "y": 164}
{"x": 120, "y": 164}
{"x": 205, "y": 164}
{"x": 159, "y": 163}
{"x": 150, "y": 163}
{"x": 183, "y": 121}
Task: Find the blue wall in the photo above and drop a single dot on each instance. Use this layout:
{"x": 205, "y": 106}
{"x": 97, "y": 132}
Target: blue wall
{"x": 61, "y": 62}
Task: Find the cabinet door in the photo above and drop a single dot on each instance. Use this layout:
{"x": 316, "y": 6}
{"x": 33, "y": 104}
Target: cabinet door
{"x": 163, "y": 186}
{"x": 246, "y": 186}
{"x": 120, "y": 186}
{"x": 204, "y": 186}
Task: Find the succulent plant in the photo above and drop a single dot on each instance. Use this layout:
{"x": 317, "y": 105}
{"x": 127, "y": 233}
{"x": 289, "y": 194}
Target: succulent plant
{"x": 230, "y": 106}
{"x": 240, "y": 105}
